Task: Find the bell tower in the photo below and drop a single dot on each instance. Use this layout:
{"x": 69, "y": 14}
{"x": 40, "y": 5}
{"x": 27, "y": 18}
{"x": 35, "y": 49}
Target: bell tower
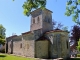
{"x": 41, "y": 20}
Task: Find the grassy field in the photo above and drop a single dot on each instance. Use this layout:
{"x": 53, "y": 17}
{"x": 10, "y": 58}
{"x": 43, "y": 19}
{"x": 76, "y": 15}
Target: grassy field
{"x": 11, "y": 57}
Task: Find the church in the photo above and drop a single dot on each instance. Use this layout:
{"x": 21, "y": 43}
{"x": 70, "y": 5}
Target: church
{"x": 41, "y": 41}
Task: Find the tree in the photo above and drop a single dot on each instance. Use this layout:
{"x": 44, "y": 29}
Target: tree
{"x": 72, "y": 8}
{"x": 78, "y": 47}
{"x": 75, "y": 34}
{"x": 65, "y": 28}
{"x": 59, "y": 26}
{"x": 2, "y": 34}
{"x": 29, "y": 5}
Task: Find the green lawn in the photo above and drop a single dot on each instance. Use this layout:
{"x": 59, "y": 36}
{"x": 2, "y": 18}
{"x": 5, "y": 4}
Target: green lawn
{"x": 11, "y": 57}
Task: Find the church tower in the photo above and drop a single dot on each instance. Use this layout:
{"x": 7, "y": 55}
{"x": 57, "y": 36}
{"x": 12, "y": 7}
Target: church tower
{"x": 41, "y": 20}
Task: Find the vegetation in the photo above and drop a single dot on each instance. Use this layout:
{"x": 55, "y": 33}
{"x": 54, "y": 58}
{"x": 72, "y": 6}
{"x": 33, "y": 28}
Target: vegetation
{"x": 75, "y": 59}
{"x": 59, "y": 26}
{"x": 75, "y": 33}
{"x": 78, "y": 55}
{"x": 72, "y": 8}
{"x": 29, "y": 5}
{"x": 11, "y": 57}
{"x": 2, "y": 34}
{"x": 78, "y": 47}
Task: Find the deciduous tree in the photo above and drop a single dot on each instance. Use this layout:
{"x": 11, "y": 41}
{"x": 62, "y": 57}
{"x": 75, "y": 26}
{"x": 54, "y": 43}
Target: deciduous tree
{"x": 75, "y": 33}
{"x": 2, "y": 34}
{"x": 78, "y": 47}
{"x": 29, "y": 5}
{"x": 72, "y": 9}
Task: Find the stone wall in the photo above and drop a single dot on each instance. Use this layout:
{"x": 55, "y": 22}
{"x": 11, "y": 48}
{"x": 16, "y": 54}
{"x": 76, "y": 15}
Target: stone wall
{"x": 47, "y": 21}
{"x": 58, "y": 46}
{"x": 28, "y": 48}
{"x": 13, "y": 44}
{"x": 17, "y": 47}
{"x": 28, "y": 45}
{"x": 42, "y": 49}
{"x": 38, "y": 25}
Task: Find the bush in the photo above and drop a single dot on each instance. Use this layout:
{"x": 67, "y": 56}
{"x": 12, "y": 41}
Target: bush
{"x": 78, "y": 55}
{"x": 3, "y": 51}
{"x": 75, "y": 59}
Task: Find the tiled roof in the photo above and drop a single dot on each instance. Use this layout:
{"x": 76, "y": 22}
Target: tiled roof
{"x": 26, "y": 32}
{"x": 12, "y": 36}
{"x": 56, "y": 30}
{"x": 41, "y": 9}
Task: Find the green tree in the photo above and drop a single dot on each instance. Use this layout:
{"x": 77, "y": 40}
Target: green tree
{"x": 72, "y": 9}
{"x": 78, "y": 47}
{"x": 29, "y": 5}
{"x": 2, "y": 34}
{"x": 65, "y": 28}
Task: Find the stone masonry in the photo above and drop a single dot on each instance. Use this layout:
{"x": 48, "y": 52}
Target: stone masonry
{"x": 41, "y": 41}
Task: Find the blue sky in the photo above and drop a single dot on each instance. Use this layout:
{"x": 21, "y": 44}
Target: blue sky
{"x": 12, "y": 18}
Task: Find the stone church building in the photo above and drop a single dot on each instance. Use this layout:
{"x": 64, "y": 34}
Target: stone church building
{"x": 41, "y": 41}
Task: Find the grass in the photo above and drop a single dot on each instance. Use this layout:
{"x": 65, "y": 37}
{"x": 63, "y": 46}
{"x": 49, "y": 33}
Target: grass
{"x": 75, "y": 59}
{"x": 11, "y": 57}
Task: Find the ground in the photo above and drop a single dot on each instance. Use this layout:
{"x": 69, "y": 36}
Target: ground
{"x": 12, "y": 57}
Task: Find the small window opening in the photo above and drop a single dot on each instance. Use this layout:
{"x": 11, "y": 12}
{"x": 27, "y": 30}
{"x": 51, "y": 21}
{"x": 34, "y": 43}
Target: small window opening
{"x": 33, "y": 20}
{"x": 38, "y": 20}
{"x": 21, "y": 45}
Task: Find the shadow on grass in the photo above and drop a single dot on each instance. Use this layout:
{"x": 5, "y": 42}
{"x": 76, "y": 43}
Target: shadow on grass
{"x": 2, "y": 55}
{"x": 75, "y": 58}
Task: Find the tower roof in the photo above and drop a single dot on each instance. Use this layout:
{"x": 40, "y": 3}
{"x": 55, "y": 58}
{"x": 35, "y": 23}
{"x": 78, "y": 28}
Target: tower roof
{"x": 41, "y": 9}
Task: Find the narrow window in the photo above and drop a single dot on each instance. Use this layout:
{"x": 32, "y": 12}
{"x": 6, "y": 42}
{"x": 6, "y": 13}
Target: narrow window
{"x": 67, "y": 44}
{"x": 38, "y": 19}
{"x": 33, "y": 20}
{"x": 27, "y": 46}
{"x": 21, "y": 45}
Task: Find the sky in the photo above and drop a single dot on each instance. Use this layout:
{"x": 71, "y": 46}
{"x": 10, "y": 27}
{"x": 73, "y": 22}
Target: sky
{"x": 13, "y": 19}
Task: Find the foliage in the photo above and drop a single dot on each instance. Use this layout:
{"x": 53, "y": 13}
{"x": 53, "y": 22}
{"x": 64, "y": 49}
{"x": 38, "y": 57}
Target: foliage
{"x": 78, "y": 55}
{"x": 2, "y": 51}
{"x": 75, "y": 32}
{"x": 56, "y": 25}
{"x": 59, "y": 26}
{"x": 72, "y": 8}
{"x": 65, "y": 28}
{"x": 78, "y": 47}
{"x": 74, "y": 58}
{"x": 2, "y": 34}
{"x": 29, "y": 5}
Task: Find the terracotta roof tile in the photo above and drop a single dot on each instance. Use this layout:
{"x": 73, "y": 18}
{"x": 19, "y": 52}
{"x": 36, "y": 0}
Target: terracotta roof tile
{"x": 56, "y": 31}
{"x": 26, "y": 32}
{"x": 12, "y": 36}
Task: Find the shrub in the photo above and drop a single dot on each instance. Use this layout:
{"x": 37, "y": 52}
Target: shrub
{"x": 75, "y": 59}
{"x": 78, "y": 55}
{"x": 3, "y": 51}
